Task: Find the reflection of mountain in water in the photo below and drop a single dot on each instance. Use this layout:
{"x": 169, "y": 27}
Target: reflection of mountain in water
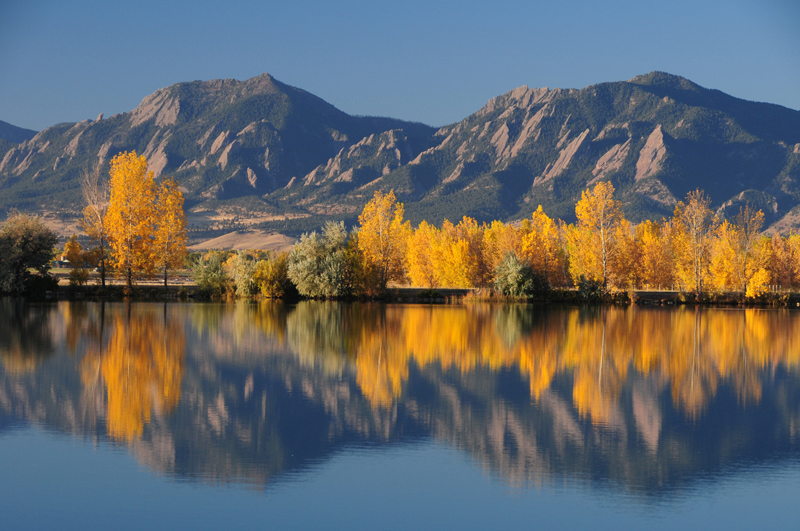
{"x": 645, "y": 399}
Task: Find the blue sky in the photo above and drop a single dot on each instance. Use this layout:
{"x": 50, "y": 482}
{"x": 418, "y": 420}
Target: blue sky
{"x": 430, "y": 61}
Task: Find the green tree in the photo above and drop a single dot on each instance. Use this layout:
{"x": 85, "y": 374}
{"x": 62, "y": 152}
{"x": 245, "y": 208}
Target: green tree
{"x": 25, "y": 243}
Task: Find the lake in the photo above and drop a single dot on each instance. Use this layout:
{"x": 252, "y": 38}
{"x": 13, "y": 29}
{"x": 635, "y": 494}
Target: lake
{"x": 326, "y": 415}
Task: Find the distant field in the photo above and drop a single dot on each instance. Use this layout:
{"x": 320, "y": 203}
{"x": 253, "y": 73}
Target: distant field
{"x": 237, "y": 240}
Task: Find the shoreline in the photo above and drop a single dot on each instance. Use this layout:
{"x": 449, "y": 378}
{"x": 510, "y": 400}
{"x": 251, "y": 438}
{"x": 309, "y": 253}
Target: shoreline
{"x": 409, "y": 295}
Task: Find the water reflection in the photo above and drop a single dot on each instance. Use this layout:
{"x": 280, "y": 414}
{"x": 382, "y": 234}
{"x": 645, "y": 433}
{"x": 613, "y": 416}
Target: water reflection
{"x": 649, "y": 400}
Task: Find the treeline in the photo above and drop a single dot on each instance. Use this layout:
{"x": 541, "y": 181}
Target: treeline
{"x": 693, "y": 251}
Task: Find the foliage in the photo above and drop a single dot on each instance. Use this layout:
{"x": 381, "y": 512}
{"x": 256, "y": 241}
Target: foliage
{"x": 78, "y": 276}
{"x": 515, "y": 278}
{"x": 130, "y": 217}
{"x": 243, "y": 273}
{"x": 272, "y": 277}
{"x": 695, "y": 224}
{"x": 383, "y": 238}
{"x": 595, "y": 241}
{"x": 210, "y": 276}
{"x": 25, "y": 243}
{"x": 169, "y": 242}
{"x": 319, "y": 264}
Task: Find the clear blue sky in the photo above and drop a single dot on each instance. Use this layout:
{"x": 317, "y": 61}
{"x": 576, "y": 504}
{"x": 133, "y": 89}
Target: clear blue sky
{"x": 430, "y": 61}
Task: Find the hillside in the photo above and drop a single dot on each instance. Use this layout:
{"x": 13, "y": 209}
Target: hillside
{"x": 221, "y": 139}
{"x": 656, "y": 137}
{"x": 261, "y": 145}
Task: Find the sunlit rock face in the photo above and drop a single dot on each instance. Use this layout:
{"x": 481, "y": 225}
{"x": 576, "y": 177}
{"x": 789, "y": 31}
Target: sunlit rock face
{"x": 644, "y": 399}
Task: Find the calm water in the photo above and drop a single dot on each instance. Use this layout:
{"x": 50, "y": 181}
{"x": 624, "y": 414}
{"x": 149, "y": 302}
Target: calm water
{"x": 367, "y": 416}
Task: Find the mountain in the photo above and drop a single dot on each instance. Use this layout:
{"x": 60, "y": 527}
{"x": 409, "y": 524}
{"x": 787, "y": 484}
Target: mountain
{"x": 263, "y": 145}
{"x": 14, "y": 134}
{"x": 656, "y": 137}
{"x": 221, "y": 139}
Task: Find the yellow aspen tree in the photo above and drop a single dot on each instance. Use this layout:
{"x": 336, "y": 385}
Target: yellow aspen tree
{"x": 500, "y": 238}
{"x": 73, "y": 252}
{"x": 383, "y": 237}
{"x": 96, "y": 195}
{"x": 593, "y": 239}
{"x": 722, "y": 267}
{"x": 542, "y": 247}
{"x": 785, "y": 260}
{"x": 656, "y": 266}
{"x": 130, "y": 214}
{"x": 420, "y": 261}
{"x": 625, "y": 258}
{"x": 169, "y": 244}
{"x": 695, "y": 224}
{"x": 475, "y": 260}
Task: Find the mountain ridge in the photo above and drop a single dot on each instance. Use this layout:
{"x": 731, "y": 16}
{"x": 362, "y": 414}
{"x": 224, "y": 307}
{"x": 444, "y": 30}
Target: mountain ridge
{"x": 655, "y": 137}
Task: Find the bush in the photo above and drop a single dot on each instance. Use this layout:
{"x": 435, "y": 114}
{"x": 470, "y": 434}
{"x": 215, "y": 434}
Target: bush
{"x": 514, "y": 278}
{"x": 319, "y": 264}
{"x": 25, "y": 243}
{"x": 244, "y": 268}
{"x": 210, "y": 276}
{"x": 78, "y": 277}
{"x": 590, "y": 290}
{"x": 272, "y": 277}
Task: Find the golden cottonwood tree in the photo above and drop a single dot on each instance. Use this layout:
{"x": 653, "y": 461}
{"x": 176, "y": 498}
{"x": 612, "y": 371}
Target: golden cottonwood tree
{"x": 420, "y": 262}
{"x": 656, "y": 264}
{"x": 169, "y": 244}
{"x": 543, "y": 249}
{"x": 695, "y": 224}
{"x": 593, "y": 241}
{"x": 740, "y": 256}
{"x": 383, "y": 237}
{"x": 130, "y": 214}
{"x": 784, "y": 260}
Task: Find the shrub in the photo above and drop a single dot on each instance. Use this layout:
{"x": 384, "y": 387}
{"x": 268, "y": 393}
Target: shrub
{"x": 25, "y": 243}
{"x": 210, "y": 276}
{"x": 272, "y": 277}
{"x": 514, "y": 278}
{"x": 78, "y": 277}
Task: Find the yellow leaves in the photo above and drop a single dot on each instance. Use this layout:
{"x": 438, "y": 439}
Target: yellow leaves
{"x": 146, "y": 224}
{"x": 383, "y": 237}
{"x": 593, "y": 242}
{"x": 419, "y": 258}
{"x": 169, "y": 243}
{"x": 130, "y": 213}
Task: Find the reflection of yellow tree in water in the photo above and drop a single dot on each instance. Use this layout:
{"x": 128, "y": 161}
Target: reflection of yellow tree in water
{"x": 142, "y": 368}
{"x": 693, "y": 350}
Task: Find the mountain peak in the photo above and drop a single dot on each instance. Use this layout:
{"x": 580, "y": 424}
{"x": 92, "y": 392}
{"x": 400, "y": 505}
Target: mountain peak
{"x": 665, "y": 80}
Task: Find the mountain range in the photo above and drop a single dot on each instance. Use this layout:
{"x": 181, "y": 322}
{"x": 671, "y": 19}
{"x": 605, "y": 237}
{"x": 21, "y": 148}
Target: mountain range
{"x": 263, "y": 146}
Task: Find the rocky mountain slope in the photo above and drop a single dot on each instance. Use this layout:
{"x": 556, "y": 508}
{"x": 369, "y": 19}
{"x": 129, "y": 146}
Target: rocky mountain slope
{"x": 656, "y": 137}
{"x": 221, "y": 139}
{"x": 273, "y": 147}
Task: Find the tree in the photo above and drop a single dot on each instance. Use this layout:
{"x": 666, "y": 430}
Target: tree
{"x": 25, "y": 243}
{"x": 383, "y": 237}
{"x": 130, "y": 214}
{"x": 319, "y": 265}
{"x": 593, "y": 241}
{"x": 169, "y": 244}
{"x": 419, "y": 256}
{"x": 96, "y": 196}
{"x": 694, "y": 225}
{"x": 543, "y": 249}
{"x": 272, "y": 276}
{"x": 656, "y": 266}
{"x": 740, "y": 256}
{"x": 73, "y": 251}
{"x": 210, "y": 276}
{"x": 515, "y": 278}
